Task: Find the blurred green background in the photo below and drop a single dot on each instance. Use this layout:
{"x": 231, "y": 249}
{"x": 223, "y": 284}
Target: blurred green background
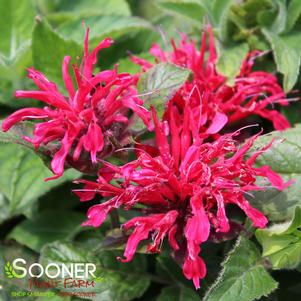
{"x": 41, "y": 221}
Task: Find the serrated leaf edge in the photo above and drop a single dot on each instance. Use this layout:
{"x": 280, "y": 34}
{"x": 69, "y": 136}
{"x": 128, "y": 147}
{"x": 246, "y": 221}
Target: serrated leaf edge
{"x": 221, "y": 274}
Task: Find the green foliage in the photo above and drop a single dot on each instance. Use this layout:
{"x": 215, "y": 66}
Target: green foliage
{"x": 4, "y": 205}
{"x": 219, "y": 12}
{"x": 8, "y": 253}
{"x": 16, "y": 25}
{"x": 160, "y": 83}
{"x": 192, "y": 9}
{"x": 243, "y": 275}
{"x": 120, "y": 281}
{"x": 91, "y": 7}
{"x": 281, "y": 243}
{"x": 177, "y": 293}
{"x": 16, "y": 133}
{"x": 283, "y": 157}
{"x": 287, "y": 53}
{"x": 172, "y": 272}
{"x": 49, "y": 50}
{"x": 156, "y": 86}
{"x": 22, "y": 177}
{"x": 47, "y": 227}
{"x": 112, "y": 26}
{"x": 230, "y": 60}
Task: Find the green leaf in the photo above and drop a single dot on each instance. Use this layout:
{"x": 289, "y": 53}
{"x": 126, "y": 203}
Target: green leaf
{"x": 113, "y": 26}
{"x": 4, "y": 205}
{"x": 275, "y": 18}
{"x": 178, "y": 293}
{"x": 160, "y": 83}
{"x": 172, "y": 272}
{"x": 8, "y": 253}
{"x": 16, "y": 134}
{"x": 47, "y": 227}
{"x": 49, "y": 50}
{"x": 126, "y": 64}
{"x": 192, "y": 9}
{"x": 245, "y": 14}
{"x": 119, "y": 281}
{"x": 220, "y": 11}
{"x": 287, "y": 54}
{"x": 285, "y": 159}
{"x": 230, "y": 60}
{"x": 22, "y": 177}
{"x": 92, "y": 7}
{"x": 293, "y": 13}
{"x": 16, "y": 23}
{"x": 281, "y": 243}
{"x": 243, "y": 275}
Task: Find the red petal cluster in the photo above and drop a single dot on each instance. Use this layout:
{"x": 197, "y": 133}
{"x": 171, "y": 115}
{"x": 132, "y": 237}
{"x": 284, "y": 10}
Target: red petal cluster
{"x": 214, "y": 103}
{"x": 183, "y": 191}
{"x": 89, "y": 118}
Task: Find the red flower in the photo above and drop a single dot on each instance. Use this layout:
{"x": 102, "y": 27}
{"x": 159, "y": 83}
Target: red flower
{"x": 183, "y": 192}
{"x": 89, "y": 119}
{"x": 215, "y": 103}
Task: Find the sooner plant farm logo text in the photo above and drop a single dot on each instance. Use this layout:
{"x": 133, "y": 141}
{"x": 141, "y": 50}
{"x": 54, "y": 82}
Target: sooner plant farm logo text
{"x": 53, "y": 276}
{"x": 18, "y": 269}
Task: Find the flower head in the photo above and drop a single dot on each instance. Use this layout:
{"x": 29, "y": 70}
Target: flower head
{"x": 183, "y": 192}
{"x": 213, "y": 101}
{"x": 89, "y": 120}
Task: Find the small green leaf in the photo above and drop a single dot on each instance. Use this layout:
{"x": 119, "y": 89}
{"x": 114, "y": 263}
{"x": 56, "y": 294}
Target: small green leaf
{"x": 243, "y": 276}
{"x": 47, "y": 227}
{"x": 126, "y": 65}
{"x": 119, "y": 281}
{"x": 172, "y": 272}
{"x": 275, "y": 18}
{"x": 178, "y": 293}
{"x": 16, "y": 134}
{"x": 16, "y": 23}
{"x": 220, "y": 12}
{"x": 113, "y": 26}
{"x": 281, "y": 243}
{"x": 4, "y": 208}
{"x": 22, "y": 177}
{"x": 230, "y": 60}
{"x": 287, "y": 54}
{"x": 160, "y": 83}
{"x": 245, "y": 14}
{"x": 92, "y": 7}
{"x": 284, "y": 157}
{"x": 191, "y": 9}
{"x": 49, "y": 50}
{"x": 293, "y": 13}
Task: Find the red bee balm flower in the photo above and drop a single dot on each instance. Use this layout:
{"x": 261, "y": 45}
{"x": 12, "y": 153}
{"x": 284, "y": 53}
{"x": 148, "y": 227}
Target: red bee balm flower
{"x": 183, "y": 192}
{"x": 211, "y": 98}
{"x": 87, "y": 119}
